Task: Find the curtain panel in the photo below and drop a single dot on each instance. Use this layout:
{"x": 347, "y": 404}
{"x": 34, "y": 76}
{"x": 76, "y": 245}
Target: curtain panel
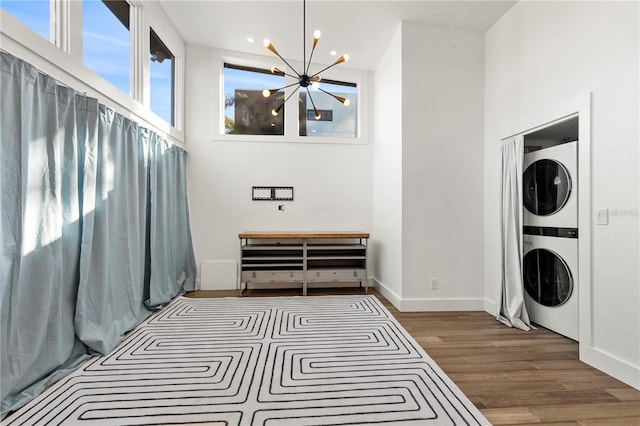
{"x": 84, "y": 193}
{"x": 112, "y": 255}
{"x": 40, "y": 178}
{"x": 513, "y": 311}
{"x": 173, "y": 265}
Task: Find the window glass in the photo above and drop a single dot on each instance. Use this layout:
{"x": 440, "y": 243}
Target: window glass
{"x": 246, "y": 110}
{"x": 35, "y": 14}
{"x": 106, "y": 43}
{"x": 162, "y": 81}
{"x": 336, "y": 119}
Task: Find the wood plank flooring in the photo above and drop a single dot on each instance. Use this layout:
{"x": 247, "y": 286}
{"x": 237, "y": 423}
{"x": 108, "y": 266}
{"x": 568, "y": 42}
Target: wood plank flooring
{"x": 513, "y": 377}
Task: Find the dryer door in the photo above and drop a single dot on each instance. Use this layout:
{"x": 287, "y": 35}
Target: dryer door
{"x": 547, "y": 278}
{"x": 546, "y": 186}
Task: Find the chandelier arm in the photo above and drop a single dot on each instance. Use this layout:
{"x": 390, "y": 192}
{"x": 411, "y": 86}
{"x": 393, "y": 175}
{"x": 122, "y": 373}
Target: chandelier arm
{"x": 323, "y": 70}
{"x": 315, "y": 110}
{"x": 288, "y": 64}
{"x": 304, "y": 30}
{"x": 276, "y": 111}
{"x": 290, "y": 75}
{"x": 338, "y": 98}
{"x": 306, "y": 71}
{"x": 283, "y": 87}
{"x": 290, "y": 95}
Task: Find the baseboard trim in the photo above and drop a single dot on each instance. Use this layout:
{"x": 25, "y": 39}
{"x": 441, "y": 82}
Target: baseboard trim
{"x": 428, "y": 305}
{"x": 386, "y": 292}
{"x": 490, "y": 307}
{"x": 608, "y": 364}
{"x": 441, "y": 305}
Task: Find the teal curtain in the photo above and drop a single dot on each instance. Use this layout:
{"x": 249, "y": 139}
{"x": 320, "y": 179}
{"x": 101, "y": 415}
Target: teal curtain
{"x": 173, "y": 267}
{"x": 40, "y": 179}
{"x": 112, "y": 257}
{"x": 94, "y": 229}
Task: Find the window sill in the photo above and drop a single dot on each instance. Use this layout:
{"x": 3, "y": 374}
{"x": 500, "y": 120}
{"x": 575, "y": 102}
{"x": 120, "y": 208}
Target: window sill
{"x": 286, "y": 139}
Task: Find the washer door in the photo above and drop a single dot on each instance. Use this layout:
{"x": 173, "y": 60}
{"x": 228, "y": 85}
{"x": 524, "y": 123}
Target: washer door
{"x": 546, "y": 186}
{"x": 547, "y": 278}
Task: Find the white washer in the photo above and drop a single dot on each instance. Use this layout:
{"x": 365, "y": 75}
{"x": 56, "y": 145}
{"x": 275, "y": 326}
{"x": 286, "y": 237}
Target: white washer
{"x": 550, "y": 272}
{"x": 550, "y": 186}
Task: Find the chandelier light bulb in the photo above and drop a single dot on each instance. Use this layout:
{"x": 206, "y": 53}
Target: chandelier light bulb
{"x": 276, "y": 111}
{"x": 270, "y": 46}
{"x": 318, "y": 116}
{"x": 343, "y": 101}
{"x": 341, "y": 59}
{"x": 315, "y": 85}
{"x": 275, "y": 70}
{"x": 266, "y": 93}
{"x": 316, "y": 37}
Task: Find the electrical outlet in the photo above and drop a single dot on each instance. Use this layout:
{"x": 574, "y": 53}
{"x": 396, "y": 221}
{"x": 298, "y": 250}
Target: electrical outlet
{"x": 602, "y": 216}
{"x": 434, "y": 283}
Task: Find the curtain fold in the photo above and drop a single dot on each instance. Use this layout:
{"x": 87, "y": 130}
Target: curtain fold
{"x": 513, "y": 311}
{"x": 112, "y": 259}
{"x": 173, "y": 267}
{"x": 76, "y": 229}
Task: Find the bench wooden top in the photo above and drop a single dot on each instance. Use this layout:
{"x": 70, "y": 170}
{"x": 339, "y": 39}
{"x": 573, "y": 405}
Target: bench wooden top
{"x": 302, "y": 234}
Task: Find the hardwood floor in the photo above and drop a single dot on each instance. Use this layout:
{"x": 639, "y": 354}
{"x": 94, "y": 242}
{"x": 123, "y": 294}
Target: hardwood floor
{"x": 513, "y": 377}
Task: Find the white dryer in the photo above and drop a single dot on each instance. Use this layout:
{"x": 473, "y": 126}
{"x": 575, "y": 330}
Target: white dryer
{"x": 550, "y": 186}
{"x": 550, "y": 273}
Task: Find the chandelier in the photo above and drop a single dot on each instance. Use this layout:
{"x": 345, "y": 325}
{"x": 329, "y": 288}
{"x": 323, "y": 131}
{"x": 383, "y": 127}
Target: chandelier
{"x": 304, "y": 80}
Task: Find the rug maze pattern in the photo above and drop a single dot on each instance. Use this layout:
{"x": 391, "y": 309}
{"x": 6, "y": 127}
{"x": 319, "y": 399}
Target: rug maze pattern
{"x": 333, "y": 360}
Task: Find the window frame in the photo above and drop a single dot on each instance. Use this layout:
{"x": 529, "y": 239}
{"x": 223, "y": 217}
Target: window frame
{"x": 334, "y": 102}
{"x": 347, "y": 75}
{"x": 132, "y": 31}
{"x": 178, "y": 73}
{"x": 251, "y": 69}
{"x": 51, "y": 36}
{"x": 61, "y": 57}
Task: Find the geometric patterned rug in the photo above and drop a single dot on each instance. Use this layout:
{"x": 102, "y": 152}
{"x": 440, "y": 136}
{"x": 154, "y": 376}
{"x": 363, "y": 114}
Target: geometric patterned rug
{"x": 275, "y": 361}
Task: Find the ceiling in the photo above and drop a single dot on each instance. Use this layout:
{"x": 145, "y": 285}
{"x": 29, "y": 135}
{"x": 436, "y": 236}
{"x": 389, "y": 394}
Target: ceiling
{"x": 359, "y": 28}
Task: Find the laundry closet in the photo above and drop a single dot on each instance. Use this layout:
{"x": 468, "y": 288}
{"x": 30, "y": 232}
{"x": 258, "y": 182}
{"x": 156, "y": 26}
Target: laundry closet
{"x": 550, "y": 227}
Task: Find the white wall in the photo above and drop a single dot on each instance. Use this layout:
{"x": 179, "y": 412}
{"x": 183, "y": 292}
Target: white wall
{"x": 332, "y": 182}
{"x": 428, "y": 130}
{"x": 539, "y": 55}
{"x": 386, "y": 246}
{"x": 442, "y": 146}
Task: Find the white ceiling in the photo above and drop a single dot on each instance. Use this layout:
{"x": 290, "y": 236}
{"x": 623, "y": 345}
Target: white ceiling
{"x": 361, "y": 28}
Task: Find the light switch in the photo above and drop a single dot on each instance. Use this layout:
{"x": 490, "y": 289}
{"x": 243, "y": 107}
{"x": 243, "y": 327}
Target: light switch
{"x": 603, "y": 216}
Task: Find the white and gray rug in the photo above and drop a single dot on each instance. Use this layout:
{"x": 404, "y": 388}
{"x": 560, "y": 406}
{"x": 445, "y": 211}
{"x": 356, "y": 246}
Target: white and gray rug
{"x": 332, "y": 360}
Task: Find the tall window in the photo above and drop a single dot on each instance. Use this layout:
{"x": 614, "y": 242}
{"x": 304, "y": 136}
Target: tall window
{"x": 35, "y": 14}
{"x": 336, "y": 119}
{"x": 247, "y": 112}
{"x": 162, "y": 84}
{"x": 106, "y": 45}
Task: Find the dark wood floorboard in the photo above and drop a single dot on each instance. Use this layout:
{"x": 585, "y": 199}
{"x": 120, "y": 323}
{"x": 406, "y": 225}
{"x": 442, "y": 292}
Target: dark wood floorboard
{"x": 513, "y": 377}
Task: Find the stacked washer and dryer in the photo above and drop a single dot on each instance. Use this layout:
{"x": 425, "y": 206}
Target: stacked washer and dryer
{"x": 550, "y": 237}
